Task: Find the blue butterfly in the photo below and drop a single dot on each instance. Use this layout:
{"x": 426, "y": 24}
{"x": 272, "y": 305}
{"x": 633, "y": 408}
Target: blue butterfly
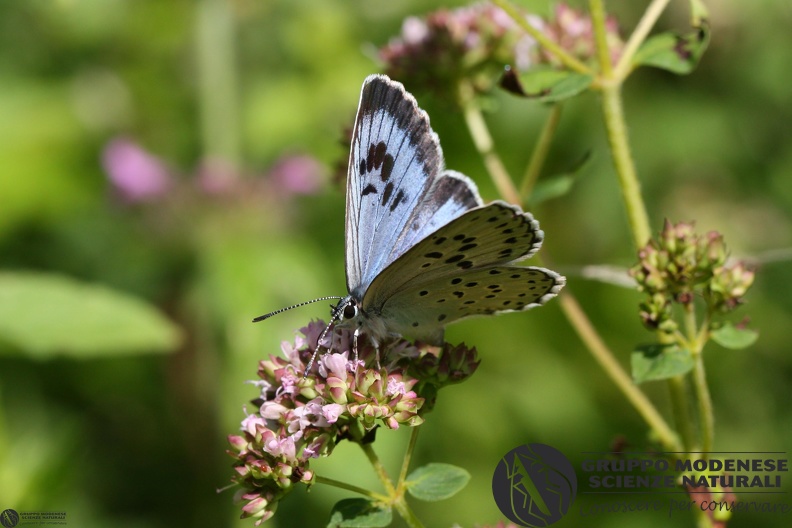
{"x": 422, "y": 250}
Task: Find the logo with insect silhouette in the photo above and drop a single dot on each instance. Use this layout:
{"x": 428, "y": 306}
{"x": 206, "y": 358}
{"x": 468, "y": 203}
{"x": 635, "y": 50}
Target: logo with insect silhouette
{"x": 534, "y": 485}
{"x": 9, "y": 518}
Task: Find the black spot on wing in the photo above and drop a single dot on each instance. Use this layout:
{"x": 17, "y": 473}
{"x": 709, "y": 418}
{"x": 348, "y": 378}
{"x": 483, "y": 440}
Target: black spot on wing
{"x": 387, "y": 167}
{"x": 397, "y": 199}
{"x": 368, "y": 189}
{"x": 379, "y": 155}
{"x": 370, "y": 157}
{"x": 387, "y": 194}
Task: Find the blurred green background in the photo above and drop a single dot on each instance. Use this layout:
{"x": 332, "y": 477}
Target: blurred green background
{"x": 187, "y": 90}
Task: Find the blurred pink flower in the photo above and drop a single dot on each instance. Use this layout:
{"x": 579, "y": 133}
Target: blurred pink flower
{"x": 297, "y": 174}
{"x": 135, "y": 173}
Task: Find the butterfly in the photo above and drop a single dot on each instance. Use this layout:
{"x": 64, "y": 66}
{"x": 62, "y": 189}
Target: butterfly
{"x": 422, "y": 250}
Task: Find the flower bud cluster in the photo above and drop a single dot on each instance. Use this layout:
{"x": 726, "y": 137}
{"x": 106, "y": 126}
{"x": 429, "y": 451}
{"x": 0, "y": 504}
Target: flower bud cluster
{"x": 300, "y": 417}
{"x": 474, "y": 43}
{"x": 680, "y": 265}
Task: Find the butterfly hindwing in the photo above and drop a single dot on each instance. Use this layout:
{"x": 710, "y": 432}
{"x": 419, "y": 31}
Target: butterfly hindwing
{"x": 422, "y": 309}
{"x": 397, "y": 191}
{"x": 483, "y": 237}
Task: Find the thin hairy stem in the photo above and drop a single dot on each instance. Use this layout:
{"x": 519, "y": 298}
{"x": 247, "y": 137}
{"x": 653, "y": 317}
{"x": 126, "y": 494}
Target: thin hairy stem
{"x": 616, "y": 373}
{"x": 407, "y": 457}
{"x": 540, "y": 151}
{"x": 486, "y": 148}
{"x": 351, "y": 487}
{"x": 599, "y": 350}
{"x": 597, "y": 9}
{"x": 639, "y": 34}
{"x": 613, "y": 114}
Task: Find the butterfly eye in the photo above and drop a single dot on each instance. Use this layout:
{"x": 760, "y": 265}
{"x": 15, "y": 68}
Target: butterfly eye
{"x": 350, "y": 311}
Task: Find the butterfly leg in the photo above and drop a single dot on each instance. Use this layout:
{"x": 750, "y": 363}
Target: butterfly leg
{"x": 355, "y": 335}
{"x": 318, "y": 346}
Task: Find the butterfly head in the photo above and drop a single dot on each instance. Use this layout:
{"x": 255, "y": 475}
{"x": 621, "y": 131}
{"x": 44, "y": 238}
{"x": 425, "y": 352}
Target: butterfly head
{"x": 347, "y": 309}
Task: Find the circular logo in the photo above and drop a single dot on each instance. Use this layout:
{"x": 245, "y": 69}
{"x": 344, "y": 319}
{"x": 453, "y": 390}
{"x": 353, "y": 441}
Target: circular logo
{"x": 534, "y": 485}
{"x": 9, "y": 518}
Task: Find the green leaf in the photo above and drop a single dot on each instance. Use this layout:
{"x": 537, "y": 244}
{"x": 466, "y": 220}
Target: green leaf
{"x": 436, "y": 481}
{"x": 545, "y": 85}
{"x": 729, "y": 336}
{"x": 359, "y": 513}
{"x": 676, "y": 53}
{"x": 559, "y": 185}
{"x": 657, "y": 362}
{"x": 550, "y": 188}
{"x": 46, "y": 315}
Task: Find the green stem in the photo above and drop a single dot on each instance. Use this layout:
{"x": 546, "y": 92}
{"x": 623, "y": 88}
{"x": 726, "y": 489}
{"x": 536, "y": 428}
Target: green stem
{"x": 485, "y": 146}
{"x": 701, "y": 390}
{"x": 568, "y": 60}
{"x": 217, "y": 80}
{"x": 351, "y": 487}
{"x": 395, "y": 496}
{"x": 705, "y": 410}
{"x": 613, "y": 369}
{"x": 680, "y": 407}
{"x": 596, "y": 346}
{"x": 379, "y": 469}
{"x": 613, "y": 114}
{"x": 706, "y": 414}
{"x": 639, "y": 34}
{"x": 540, "y": 151}
{"x": 406, "y": 513}
{"x": 597, "y": 9}
{"x": 407, "y": 457}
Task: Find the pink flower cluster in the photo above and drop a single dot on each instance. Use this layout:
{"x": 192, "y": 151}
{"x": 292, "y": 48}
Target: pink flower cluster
{"x": 301, "y": 417}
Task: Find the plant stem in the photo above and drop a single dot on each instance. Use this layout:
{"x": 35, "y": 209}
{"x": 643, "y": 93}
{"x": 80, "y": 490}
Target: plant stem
{"x": 705, "y": 410}
{"x": 680, "y": 400}
{"x": 351, "y": 487}
{"x": 406, "y": 513}
{"x": 613, "y": 369}
{"x": 577, "y": 318}
{"x": 701, "y": 390}
{"x": 540, "y": 151}
{"x": 613, "y": 114}
{"x": 379, "y": 468}
{"x": 395, "y": 496}
{"x": 637, "y": 38}
{"x": 597, "y": 9}
{"x": 568, "y": 60}
{"x": 485, "y": 146}
{"x": 407, "y": 458}
{"x": 217, "y": 81}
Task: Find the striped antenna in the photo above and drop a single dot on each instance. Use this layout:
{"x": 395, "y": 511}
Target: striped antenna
{"x": 276, "y": 312}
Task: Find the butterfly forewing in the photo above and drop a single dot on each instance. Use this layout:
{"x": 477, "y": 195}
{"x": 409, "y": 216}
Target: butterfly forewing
{"x": 397, "y": 192}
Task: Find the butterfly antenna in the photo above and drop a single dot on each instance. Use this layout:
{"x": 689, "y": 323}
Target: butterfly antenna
{"x": 276, "y": 312}
{"x": 333, "y": 318}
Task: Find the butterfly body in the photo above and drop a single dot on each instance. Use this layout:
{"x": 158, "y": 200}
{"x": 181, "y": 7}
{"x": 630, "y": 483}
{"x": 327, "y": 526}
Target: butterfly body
{"x": 422, "y": 250}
